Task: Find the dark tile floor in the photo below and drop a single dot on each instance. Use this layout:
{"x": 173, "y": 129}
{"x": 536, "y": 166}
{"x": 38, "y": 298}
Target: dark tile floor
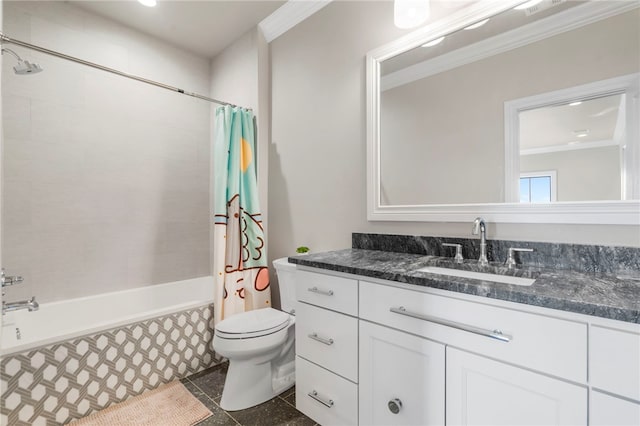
{"x": 207, "y": 387}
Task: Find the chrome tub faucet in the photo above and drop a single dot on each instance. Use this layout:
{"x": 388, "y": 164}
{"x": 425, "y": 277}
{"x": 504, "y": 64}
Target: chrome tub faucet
{"x": 7, "y": 281}
{"x": 30, "y": 304}
{"x": 481, "y": 227}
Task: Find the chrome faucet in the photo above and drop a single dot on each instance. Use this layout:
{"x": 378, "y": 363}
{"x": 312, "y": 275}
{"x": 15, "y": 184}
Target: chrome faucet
{"x": 479, "y": 225}
{"x": 30, "y": 304}
{"x": 7, "y": 281}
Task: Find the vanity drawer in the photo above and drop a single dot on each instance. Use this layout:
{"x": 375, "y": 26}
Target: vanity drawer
{"x": 325, "y": 397}
{"x": 615, "y": 361}
{"x": 331, "y": 292}
{"x": 550, "y": 345}
{"x": 328, "y": 339}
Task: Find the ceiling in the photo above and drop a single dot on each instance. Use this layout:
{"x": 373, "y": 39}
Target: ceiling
{"x": 558, "y": 125}
{"x": 202, "y": 27}
{"x": 498, "y": 24}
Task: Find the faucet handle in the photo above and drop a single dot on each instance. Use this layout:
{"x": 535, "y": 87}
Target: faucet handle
{"x": 7, "y": 281}
{"x": 458, "y": 257}
{"x": 511, "y": 261}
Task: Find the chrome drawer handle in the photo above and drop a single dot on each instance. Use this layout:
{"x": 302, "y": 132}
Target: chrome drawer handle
{"x": 323, "y": 292}
{"x": 315, "y": 336}
{"x": 313, "y": 394}
{"x": 493, "y": 334}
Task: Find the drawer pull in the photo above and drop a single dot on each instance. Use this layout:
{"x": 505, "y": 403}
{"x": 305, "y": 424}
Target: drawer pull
{"x": 394, "y": 405}
{"x": 495, "y": 334}
{"x": 315, "y": 336}
{"x": 313, "y": 394}
{"x": 323, "y": 292}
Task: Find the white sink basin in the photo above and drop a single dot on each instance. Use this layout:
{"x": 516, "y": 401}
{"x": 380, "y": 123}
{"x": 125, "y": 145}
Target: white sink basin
{"x": 505, "y": 279}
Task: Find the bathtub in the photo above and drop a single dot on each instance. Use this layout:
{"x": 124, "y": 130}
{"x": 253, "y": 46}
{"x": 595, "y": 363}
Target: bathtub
{"x": 64, "y": 320}
{"x": 74, "y": 357}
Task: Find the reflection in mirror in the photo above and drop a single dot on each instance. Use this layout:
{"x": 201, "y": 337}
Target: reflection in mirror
{"x": 573, "y": 152}
{"x": 440, "y": 139}
{"x": 586, "y": 135}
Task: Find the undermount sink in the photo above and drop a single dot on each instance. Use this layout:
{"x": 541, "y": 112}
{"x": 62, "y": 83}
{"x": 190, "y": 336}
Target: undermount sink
{"x": 484, "y": 276}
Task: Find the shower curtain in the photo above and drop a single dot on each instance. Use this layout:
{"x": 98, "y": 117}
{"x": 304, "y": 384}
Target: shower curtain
{"x": 239, "y": 261}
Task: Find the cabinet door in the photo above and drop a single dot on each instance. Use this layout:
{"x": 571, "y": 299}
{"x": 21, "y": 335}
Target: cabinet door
{"x": 481, "y": 391}
{"x": 614, "y": 361}
{"x": 607, "y": 410}
{"x": 401, "y": 378}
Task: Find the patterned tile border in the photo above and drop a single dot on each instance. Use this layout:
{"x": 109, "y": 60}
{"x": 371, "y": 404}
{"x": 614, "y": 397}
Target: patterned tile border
{"x": 58, "y": 383}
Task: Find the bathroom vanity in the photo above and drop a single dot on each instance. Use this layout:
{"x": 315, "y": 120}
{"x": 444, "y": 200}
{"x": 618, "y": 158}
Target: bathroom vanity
{"x": 380, "y": 342}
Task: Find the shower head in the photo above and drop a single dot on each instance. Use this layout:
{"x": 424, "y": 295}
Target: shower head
{"x": 23, "y": 67}
{"x": 26, "y": 67}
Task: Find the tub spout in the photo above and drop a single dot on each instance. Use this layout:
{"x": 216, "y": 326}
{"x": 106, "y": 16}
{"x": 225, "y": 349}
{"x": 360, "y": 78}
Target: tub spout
{"x": 30, "y": 304}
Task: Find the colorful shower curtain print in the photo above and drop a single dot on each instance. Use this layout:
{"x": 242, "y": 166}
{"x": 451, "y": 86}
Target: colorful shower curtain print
{"x": 239, "y": 261}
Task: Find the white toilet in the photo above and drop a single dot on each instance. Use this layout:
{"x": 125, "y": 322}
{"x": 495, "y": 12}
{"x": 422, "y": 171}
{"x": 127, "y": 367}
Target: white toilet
{"x": 259, "y": 345}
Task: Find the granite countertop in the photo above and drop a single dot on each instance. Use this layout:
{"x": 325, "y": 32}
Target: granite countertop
{"x": 585, "y": 293}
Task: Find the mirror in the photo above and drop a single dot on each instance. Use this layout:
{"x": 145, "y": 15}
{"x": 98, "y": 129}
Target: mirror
{"x": 518, "y": 115}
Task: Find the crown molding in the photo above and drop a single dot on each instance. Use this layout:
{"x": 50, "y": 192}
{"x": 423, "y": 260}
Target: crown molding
{"x": 569, "y": 147}
{"x": 288, "y": 16}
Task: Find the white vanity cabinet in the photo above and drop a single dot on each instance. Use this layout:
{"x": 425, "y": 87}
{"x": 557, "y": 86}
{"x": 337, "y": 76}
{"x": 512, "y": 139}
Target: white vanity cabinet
{"x": 479, "y": 390}
{"x": 421, "y": 356}
{"x": 327, "y": 348}
{"x": 538, "y": 342}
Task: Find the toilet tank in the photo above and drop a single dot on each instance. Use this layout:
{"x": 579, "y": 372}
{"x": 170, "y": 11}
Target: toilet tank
{"x": 287, "y": 279}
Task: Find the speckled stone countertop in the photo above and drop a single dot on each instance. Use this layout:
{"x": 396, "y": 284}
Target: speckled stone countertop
{"x": 585, "y": 293}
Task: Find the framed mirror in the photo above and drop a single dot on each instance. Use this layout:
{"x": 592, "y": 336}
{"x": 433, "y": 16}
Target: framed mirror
{"x": 518, "y": 115}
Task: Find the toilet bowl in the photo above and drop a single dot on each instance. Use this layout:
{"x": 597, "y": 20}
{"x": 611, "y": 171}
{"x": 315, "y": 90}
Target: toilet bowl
{"x": 259, "y": 345}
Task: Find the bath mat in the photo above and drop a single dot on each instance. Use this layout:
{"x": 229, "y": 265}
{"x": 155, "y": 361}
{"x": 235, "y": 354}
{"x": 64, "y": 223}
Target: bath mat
{"x": 171, "y": 405}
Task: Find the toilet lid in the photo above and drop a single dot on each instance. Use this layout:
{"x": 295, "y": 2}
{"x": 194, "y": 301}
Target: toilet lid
{"x": 255, "y": 323}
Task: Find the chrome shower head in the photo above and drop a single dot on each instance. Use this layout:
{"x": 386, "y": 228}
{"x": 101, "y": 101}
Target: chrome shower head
{"x": 23, "y": 67}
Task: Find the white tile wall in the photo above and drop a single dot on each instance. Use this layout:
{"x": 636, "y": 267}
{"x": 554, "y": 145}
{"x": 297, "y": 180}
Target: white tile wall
{"x": 106, "y": 180}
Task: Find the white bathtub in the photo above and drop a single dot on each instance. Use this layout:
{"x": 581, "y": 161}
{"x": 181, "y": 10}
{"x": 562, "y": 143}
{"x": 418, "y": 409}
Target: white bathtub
{"x": 58, "y": 321}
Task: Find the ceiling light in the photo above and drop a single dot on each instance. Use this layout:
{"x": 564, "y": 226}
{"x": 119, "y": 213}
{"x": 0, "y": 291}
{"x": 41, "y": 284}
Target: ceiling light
{"x": 433, "y": 42}
{"x": 148, "y": 3}
{"x": 524, "y": 5}
{"x": 581, "y": 133}
{"x": 477, "y": 25}
{"x": 410, "y": 13}
{"x": 575, "y": 103}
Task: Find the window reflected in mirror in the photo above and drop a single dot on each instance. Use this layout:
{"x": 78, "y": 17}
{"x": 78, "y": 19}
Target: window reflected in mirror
{"x": 539, "y": 187}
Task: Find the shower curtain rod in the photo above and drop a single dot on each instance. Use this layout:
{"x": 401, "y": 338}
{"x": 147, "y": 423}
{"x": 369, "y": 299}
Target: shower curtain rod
{"x": 6, "y": 39}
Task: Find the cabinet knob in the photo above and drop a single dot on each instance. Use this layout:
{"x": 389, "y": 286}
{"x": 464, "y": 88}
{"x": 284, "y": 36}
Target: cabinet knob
{"x": 394, "y": 405}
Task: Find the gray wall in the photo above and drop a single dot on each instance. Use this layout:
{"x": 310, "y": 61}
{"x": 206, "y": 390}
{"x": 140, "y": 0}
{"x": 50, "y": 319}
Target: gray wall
{"x": 105, "y": 180}
{"x": 582, "y": 174}
{"x": 317, "y": 173}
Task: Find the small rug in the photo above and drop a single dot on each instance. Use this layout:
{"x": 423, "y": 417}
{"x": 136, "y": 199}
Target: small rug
{"x": 171, "y": 405}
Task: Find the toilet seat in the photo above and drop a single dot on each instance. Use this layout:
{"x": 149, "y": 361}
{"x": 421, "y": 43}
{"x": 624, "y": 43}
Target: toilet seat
{"x": 256, "y": 323}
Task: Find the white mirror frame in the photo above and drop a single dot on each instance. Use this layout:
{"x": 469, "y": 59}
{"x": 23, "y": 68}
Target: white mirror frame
{"x": 595, "y": 212}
